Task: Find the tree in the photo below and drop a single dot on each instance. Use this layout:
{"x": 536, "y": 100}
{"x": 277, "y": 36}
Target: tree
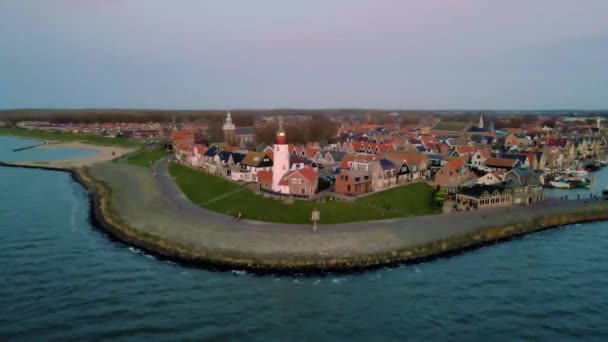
{"x": 440, "y": 197}
{"x": 550, "y": 123}
{"x": 515, "y": 122}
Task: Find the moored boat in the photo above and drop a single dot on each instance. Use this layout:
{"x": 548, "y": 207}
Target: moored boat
{"x": 560, "y": 184}
{"x": 580, "y": 182}
{"x": 605, "y": 191}
{"x": 592, "y": 167}
{"x": 577, "y": 173}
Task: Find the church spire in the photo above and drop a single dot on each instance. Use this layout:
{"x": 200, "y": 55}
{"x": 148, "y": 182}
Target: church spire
{"x": 480, "y": 125}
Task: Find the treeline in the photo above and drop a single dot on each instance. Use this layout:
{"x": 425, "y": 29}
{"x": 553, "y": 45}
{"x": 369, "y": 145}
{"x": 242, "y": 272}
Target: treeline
{"x": 318, "y": 128}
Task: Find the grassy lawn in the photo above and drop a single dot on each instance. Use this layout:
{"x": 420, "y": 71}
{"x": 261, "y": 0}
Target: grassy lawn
{"x": 91, "y": 139}
{"x": 449, "y": 126}
{"x": 415, "y": 199}
{"x": 145, "y": 158}
{"x": 198, "y": 186}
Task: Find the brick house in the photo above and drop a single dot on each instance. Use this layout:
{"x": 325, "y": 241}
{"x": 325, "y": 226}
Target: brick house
{"x": 301, "y": 182}
{"x": 453, "y": 175}
{"x": 353, "y": 182}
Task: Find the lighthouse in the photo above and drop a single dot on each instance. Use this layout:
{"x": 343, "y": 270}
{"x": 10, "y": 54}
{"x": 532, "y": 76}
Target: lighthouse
{"x": 280, "y": 165}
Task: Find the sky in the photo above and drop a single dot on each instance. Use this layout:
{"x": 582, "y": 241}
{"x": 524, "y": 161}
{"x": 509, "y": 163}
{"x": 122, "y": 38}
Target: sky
{"x": 410, "y": 54}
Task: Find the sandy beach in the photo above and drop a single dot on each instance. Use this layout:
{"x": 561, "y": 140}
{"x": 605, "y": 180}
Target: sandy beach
{"x": 103, "y": 154}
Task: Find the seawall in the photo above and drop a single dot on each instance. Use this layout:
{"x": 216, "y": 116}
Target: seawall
{"x": 104, "y": 219}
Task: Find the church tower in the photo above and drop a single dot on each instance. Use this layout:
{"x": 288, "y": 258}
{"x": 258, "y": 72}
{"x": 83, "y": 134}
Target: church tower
{"x": 280, "y": 164}
{"x": 480, "y": 125}
{"x": 229, "y": 130}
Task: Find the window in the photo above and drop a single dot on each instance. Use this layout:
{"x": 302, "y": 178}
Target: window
{"x": 294, "y": 181}
{"x": 366, "y": 177}
{"x": 303, "y": 191}
{"x": 348, "y": 188}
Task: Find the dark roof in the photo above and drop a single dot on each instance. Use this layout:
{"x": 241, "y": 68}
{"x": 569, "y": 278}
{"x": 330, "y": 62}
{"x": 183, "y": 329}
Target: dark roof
{"x": 211, "y": 152}
{"x": 310, "y": 163}
{"x": 435, "y": 156}
{"x": 522, "y": 159}
{"x": 477, "y": 190}
{"x": 244, "y": 131}
{"x": 295, "y": 160}
{"x": 387, "y": 164}
{"x": 337, "y": 155}
{"x": 478, "y": 139}
{"x": 236, "y": 157}
{"x": 557, "y": 142}
{"x": 526, "y": 176}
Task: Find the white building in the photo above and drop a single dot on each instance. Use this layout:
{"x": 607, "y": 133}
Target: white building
{"x": 280, "y": 164}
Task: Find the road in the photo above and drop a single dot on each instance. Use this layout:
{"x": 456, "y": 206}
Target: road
{"x": 154, "y": 204}
{"x": 178, "y": 200}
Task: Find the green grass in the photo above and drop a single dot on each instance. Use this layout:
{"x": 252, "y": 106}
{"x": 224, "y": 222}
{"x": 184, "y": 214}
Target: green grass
{"x": 65, "y": 137}
{"x": 145, "y": 158}
{"x": 450, "y": 126}
{"x": 200, "y": 188}
{"x": 414, "y": 199}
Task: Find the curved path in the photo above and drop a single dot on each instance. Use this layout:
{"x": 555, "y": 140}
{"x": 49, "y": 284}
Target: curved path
{"x": 176, "y": 198}
{"x": 155, "y": 204}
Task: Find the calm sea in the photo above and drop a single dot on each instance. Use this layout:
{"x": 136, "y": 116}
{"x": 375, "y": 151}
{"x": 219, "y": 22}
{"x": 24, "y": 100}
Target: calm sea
{"x": 63, "y": 280}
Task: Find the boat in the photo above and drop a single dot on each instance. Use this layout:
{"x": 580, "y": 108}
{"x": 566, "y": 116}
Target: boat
{"x": 592, "y": 168}
{"x": 560, "y": 183}
{"x": 580, "y": 182}
{"x": 577, "y": 173}
{"x": 603, "y": 162}
{"x": 605, "y": 191}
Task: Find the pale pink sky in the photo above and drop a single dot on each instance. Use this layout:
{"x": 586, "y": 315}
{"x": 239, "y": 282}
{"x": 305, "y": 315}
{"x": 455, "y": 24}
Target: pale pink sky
{"x": 318, "y": 53}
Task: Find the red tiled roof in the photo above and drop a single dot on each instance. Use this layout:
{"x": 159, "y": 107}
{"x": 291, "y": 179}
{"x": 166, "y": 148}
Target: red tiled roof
{"x": 264, "y": 176}
{"x": 484, "y": 153}
{"x": 351, "y": 158}
{"x": 467, "y": 150}
{"x": 410, "y": 157}
{"x": 455, "y": 163}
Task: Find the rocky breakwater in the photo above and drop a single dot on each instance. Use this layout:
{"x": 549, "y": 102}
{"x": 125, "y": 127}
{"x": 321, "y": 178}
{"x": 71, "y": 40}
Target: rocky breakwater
{"x": 487, "y": 232}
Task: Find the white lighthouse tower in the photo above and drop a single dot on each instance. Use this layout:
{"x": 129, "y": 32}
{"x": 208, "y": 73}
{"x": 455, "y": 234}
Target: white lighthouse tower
{"x": 280, "y": 163}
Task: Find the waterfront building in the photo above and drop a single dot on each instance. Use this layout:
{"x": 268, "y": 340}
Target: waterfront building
{"x": 481, "y": 196}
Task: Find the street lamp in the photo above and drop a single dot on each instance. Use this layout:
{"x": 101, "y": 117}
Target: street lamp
{"x": 316, "y": 216}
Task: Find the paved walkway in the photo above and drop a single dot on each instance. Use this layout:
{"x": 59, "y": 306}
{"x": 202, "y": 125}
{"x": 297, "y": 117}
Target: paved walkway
{"x": 156, "y": 205}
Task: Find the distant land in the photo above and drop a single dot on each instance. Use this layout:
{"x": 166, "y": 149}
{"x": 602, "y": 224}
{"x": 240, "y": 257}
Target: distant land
{"x": 158, "y": 114}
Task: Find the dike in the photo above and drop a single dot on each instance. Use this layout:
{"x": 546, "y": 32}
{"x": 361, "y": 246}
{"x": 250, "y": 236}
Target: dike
{"x": 103, "y": 219}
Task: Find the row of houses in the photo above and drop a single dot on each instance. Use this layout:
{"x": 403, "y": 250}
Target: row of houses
{"x": 301, "y": 180}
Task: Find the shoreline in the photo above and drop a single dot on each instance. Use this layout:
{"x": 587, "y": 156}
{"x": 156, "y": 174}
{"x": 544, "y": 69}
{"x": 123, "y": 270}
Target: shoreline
{"x": 102, "y": 219}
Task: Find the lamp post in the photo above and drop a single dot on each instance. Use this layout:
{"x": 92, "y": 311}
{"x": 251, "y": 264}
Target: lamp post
{"x": 316, "y": 216}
